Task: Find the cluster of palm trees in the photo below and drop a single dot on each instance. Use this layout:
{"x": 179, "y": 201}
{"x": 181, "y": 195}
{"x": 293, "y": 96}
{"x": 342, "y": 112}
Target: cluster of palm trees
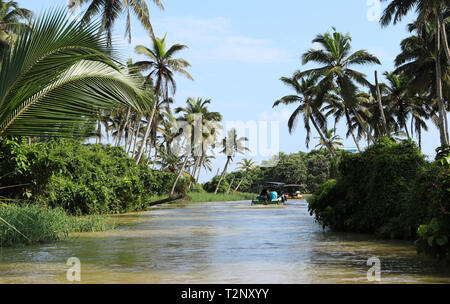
{"x": 59, "y": 77}
{"x": 416, "y": 92}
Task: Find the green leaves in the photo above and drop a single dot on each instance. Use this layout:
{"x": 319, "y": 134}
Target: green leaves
{"x": 57, "y": 76}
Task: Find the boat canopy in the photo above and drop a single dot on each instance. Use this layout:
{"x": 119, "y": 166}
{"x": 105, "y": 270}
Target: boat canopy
{"x": 271, "y": 184}
{"x": 292, "y": 186}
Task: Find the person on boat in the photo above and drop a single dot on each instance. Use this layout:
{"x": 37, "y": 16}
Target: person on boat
{"x": 273, "y": 195}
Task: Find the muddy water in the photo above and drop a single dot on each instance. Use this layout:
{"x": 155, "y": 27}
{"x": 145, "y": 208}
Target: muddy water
{"x": 219, "y": 243}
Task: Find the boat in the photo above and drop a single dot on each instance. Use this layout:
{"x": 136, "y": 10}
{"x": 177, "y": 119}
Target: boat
{"x": 292, "y": 191}
{"x": 270, "y": 186}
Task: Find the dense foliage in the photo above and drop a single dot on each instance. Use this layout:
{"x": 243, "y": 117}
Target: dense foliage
{"x": 306, "y": 169}
{"x": 390, "y": 190}
{"x": 82, "y": 179}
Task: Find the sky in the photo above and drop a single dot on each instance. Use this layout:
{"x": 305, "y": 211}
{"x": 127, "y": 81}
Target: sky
{"x": 239, "y": 50}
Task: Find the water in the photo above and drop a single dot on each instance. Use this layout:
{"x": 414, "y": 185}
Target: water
{"x": 219, "y": 243}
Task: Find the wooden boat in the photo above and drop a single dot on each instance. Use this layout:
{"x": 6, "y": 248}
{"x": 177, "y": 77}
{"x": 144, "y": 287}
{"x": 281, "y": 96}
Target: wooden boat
{"x": 262, "y": 201}
{"x": 292, "y": 191}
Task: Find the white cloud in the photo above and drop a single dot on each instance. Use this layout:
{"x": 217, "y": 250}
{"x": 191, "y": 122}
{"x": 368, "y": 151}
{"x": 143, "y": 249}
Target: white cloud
{"x": 213, "y": 41}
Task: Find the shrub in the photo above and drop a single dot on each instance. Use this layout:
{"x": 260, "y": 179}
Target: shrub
{"x": 390, "y": 190}
{"x": 370, "y": 189}
{"x": 82, "y": 179}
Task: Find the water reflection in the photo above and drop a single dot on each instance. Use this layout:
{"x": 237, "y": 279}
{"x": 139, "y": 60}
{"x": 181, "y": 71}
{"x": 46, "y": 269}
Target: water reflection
{"x": 219, "y": 243}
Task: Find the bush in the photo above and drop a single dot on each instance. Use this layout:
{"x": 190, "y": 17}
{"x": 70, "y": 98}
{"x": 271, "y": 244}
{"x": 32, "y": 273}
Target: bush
{"x": 211, "y": 185}
{"x": 389, "y": 190}
{"x": 82, "y": 179}
{"x": 369, "y": 193}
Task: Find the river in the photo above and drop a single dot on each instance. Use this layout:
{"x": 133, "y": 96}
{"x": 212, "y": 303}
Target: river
{"x": 230, "y": 242}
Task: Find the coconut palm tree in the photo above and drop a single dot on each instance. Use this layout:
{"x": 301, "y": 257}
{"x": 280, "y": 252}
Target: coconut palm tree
{"x": 427, "y": 10}
{"x": 12, "y": 23}
{"x": 398, "y": 98}
{"x": 306, "y": 96}
{"x": 417, "y": 60}
{"x": 57, "y": 76}
{"x": 336, "y": 61}
{"x": 332, "y": 140}
{"x": 337, "y": 108}
{"x": 231, "y": 145}
{"x": 246, "y": 165}
{"x": 197, "y": 109}
{"x": 162, "y": 66}
{"x": 110, "y": 10}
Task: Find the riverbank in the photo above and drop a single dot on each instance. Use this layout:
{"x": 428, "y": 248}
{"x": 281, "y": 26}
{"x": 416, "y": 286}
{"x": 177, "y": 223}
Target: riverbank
{"x": 34, "y": 224}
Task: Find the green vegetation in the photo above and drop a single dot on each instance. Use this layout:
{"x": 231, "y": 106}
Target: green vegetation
{"x": 82, "y": 179}
{"x": 390, "y": 190}
{"x": 31, "y": 224}
{"x": 309, "y": 170}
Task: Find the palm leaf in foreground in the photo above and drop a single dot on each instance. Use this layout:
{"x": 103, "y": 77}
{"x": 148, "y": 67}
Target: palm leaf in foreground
{"x": 57, "y": 76}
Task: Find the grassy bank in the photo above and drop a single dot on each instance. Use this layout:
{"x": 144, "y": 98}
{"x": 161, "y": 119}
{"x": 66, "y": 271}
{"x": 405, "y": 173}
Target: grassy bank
{"x": 203, "y": 197}
{"x": 32, "y": 224}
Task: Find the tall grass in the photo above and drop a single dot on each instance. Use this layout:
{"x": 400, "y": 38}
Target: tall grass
{"x": 31, "y": 224}
{"x": 203, "y": 197}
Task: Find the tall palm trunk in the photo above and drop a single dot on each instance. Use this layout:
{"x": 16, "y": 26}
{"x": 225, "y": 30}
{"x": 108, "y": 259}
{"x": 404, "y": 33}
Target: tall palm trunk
{"x": 194, "y": 171}
{"x": 322, "y": 136}
{"x": 420, "y": 138}
{"x": 444, "y": 37}
{"x": 380, "y": 105}
{"x": 406, "y": 129}
{"x": 179, "y": 174}
{"x": 439, "y": 92}
{"x": 125, "y": 125}
{"x": 240, "y": 182}
{"x": 148, "y": 130}
{"x": 136, "y": 135}
{"x": 199, "y": 169}
{"x": 223, "y": 174}
{"x": 229, "y": 186}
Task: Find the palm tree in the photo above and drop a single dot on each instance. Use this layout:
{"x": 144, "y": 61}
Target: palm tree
{"x": 197, "y": 109}
{"x": 336, "y": 72}
{"x": 231, "y": 146}
{"x": 11, "y": 17}
{"x": 334, "y": 141}
{"x": 306, "y": 92}
{"x": 398, "y": 98}
{"x": 56, "y": 78}
{"x": 336, "y": 107}
{"x": 246, "y": 165}
{"x": 427, "y": 10}
{"x": 110, "y": 10}
{"x": 162, "y": 66}
{"x": 417, "y": 60}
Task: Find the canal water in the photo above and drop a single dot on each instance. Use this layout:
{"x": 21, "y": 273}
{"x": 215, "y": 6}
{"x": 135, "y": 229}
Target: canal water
{"x": 230, "y": 242}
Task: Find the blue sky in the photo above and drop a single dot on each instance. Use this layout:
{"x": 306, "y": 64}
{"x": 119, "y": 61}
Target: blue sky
{"x": 240, "y": 49}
